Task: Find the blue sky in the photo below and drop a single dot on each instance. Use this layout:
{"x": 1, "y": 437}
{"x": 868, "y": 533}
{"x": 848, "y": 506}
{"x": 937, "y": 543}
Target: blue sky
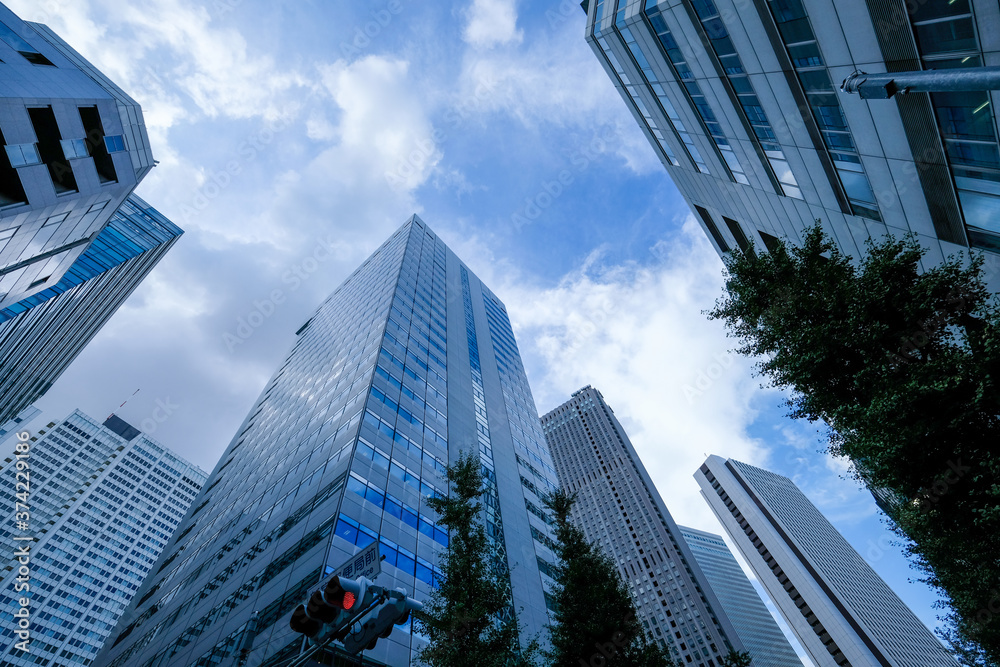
{"x": 282, "y": 127}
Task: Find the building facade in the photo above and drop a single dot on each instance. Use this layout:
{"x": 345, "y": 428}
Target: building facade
{"x": 104, "y": 500}
{"x": 741, "y": 101}
{"x": 409, "y": 362}
{"x": 73, "y": 146}
{"x": 619, "y": 508}
{"x": 839, "y": 609}
{"x": 761, "y": 636}
{"x": 42, "y": 334}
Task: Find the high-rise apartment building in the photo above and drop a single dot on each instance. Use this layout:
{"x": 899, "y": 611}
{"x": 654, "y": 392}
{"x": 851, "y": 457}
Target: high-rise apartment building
{"x": 761, "y": 636}
{"x": 41, "y": 334}
{"x": 409, "y": 362}
{"x": 103, "y": 501}
{"x": 741, "y": 102}
{"x": 840, "y": 610}
{"x": 619, "y": 508}
{"x": 73, "y": 146}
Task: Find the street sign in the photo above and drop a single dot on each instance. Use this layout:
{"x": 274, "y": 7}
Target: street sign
{"x": 366, "y": 563}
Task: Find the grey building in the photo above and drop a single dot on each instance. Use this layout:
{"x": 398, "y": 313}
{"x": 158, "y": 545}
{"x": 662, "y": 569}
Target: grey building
{"x": 839, "y": 609}
{"x": 73, "y": 146}
{"x": 408, "y": 363}
{"x": 40, "y": 335}
{"x": 104, "y": 500}
{"x": 760, "y": 635}
{"x": 619, "y": 508}
{"x": 741, "y": 101}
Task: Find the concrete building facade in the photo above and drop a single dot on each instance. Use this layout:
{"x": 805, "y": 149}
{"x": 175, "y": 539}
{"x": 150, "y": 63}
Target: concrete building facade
{"x": 741, "y": 101}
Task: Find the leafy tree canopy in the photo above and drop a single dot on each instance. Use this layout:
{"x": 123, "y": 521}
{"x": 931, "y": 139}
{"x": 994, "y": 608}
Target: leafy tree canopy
{"x": 902, "y": 364}
{"x": 465, "y": 620}
{"x": 595, "y": 622}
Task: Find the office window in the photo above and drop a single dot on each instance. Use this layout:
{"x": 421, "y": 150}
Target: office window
{"x": 43, "y": 120}
{"x": 741, "y": 239}
{"x": 15, "y": 42}
{"x": 712, "y": 229}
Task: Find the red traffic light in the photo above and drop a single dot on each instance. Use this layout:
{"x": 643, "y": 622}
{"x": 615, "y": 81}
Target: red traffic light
{"x": 339, "y": 595}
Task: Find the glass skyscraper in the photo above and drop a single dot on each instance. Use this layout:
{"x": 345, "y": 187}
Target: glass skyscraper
{"x": 619, "y": 508}
{"x": 840, "y": 610}
{"x": 104, "y": 499}
{"x": 760, "y": 635}
{"x": 741, "y": 103}
{"x": 409, "y": 362}
{"x": 42, "y": 334}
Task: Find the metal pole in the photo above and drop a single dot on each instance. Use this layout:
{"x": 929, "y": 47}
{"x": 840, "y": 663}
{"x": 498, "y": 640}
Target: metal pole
{"x": 884, "y": 85}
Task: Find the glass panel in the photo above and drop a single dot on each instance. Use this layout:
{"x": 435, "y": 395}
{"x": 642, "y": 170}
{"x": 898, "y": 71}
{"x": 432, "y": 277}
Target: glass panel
{"x": 924, "y": 11}
{"x": 963, "y": 152}
{"x": 946, "y": 36}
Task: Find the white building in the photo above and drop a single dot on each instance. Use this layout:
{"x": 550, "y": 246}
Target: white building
{"x": 741, "y": 100}
{"x": 104, "y": 500}
{"x": 839, "y": 609}
{"x": 73, "y": 146}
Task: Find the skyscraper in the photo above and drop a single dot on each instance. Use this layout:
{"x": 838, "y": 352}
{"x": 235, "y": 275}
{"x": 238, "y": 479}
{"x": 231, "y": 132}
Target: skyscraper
{"x": 840, "y": 610}
{"x": 41, "y": 334}
{"x": 760, "y": 635}
{"x": 741, "y": 103}
{"x": 74, "y": 146}
{"x": 104, "y": 499}
{"x": 408, "y": 363}
{"x": 619, "y": 508}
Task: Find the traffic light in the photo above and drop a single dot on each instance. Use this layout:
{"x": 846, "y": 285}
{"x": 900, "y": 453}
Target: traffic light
{"x": 331, "y": 610}
{"x": 377, "y": 624}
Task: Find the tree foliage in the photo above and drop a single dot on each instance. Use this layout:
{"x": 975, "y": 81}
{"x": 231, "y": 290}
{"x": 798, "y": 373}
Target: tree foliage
{"x": 736, "y": 659}
{"x": 463, "y": 618}
{"x": 595, "y": 622}
{"x": 902, "y": 365}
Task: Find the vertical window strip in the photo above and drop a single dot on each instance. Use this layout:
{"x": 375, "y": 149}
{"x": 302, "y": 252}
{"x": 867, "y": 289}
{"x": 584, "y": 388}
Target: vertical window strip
{"x": 633, "y": 94}
{"x": 692, "y": 90}
{"x": 753, "y": 110}
{"x": 946, "y": 38}
{"x": 800, "y": 43}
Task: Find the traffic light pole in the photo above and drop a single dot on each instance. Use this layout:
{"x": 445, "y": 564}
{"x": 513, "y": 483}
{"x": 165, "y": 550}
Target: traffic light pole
{"x": 884, "y": 85}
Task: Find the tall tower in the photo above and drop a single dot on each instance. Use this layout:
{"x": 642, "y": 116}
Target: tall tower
{"x": 741, "y": 102}
{"x": 73, "y": 146}
{"x": 760, "y": 635}
{"x": 42, "y": 334}
{"x": 840, "y": 610}
{"x": 408, "y": 363}
{"x": 619, "y": 508}
{"x": 103, "y": 501}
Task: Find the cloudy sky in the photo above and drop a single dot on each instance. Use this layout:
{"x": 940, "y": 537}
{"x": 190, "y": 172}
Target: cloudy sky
{"x": 282, "y": 127}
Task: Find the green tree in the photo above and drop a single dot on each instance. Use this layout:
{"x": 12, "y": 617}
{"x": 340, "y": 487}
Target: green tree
{"x": 463, "y": 617}
{"x": 595, "y": 622}
{"x": 902, "y": 365}
{"x": 736, "y": 659}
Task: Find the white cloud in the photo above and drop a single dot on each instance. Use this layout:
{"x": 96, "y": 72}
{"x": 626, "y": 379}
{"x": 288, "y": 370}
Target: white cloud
{"x": 638, "y": 335}
{"x": 491, "y": 23}
{"x": 555, "y": 81}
